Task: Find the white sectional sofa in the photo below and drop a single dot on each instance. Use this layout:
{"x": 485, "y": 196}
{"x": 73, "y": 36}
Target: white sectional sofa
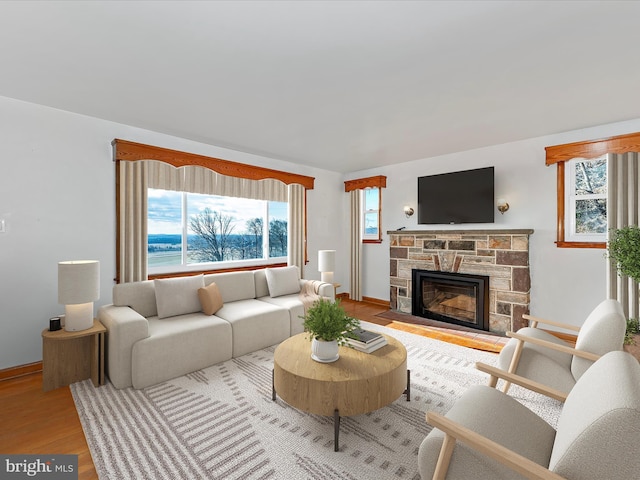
{"x": 157, "y": 329}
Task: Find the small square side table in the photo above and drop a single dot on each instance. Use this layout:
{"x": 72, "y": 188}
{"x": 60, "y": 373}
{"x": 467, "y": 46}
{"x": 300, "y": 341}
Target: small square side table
{"x": 69, "y": 357}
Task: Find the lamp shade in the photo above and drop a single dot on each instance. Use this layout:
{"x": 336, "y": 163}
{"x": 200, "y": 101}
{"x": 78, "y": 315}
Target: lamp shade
{"x": 326, "y": 260}
{"x": 326, "y": 264}
{"x": 78, "y": 281}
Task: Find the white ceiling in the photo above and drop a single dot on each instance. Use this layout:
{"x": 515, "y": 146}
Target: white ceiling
{"x": 338, "y": 84}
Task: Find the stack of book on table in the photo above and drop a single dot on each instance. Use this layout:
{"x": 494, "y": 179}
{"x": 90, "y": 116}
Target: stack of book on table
{"x": 366, "y": 341}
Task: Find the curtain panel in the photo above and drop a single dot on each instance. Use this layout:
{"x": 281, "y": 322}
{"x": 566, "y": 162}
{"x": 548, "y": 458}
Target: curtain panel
{"x": 131, "y": 255}
{"x": 355, "y": 290}
{"x": 623, "y": 199}
{"x": 296, "y": 238}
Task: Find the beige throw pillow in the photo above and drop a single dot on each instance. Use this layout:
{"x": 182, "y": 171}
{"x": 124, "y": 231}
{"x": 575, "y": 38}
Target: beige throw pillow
{"x": 178, "y": 296}
{"x": 283, "y": 280}
{"x": 210, "y": 299}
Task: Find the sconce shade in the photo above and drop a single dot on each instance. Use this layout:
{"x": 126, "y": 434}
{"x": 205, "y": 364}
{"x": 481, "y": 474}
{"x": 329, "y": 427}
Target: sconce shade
{"x": 408, "y": 211}
{"x": 327, "y": 264}
{"x": 502, "y": 205}
{"x": 78, "y": 288}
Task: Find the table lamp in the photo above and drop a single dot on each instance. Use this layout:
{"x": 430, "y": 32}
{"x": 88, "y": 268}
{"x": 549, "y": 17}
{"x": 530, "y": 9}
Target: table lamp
{"x": 326, "y": 264}
{"x": 78, "y": 288}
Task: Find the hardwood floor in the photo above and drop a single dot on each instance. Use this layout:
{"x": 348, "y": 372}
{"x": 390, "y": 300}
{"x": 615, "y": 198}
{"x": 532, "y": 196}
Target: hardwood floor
{"x": 35, "y": 422}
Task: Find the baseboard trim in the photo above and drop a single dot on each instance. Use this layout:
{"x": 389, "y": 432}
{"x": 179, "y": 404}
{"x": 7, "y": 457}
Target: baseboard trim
{"x": 373, "y": 301}
{"x": 377, "y": 301}
{"x": 20, "y": 370}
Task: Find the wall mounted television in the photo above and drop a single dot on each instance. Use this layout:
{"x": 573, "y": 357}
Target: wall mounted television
{"x": 457, "y": 197}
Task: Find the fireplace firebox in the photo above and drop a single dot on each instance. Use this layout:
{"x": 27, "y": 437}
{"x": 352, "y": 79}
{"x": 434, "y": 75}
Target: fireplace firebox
{"x": 457, "y": 298}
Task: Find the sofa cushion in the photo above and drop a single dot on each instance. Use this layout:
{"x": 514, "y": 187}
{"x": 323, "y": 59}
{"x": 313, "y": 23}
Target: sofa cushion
{"x": 195, "y": 341}
{"x": 233, "y": 286}
{"x": 178, "y": 296}
{"x": 295, "y": 307}
{"x": 141, "y": 296}
{"x": 255, "y": 324}
{"x": 283, "y": 281}
{"x": 210, "y": 298}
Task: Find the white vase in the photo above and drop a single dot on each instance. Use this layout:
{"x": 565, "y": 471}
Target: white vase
{"x": 324, "y": 352}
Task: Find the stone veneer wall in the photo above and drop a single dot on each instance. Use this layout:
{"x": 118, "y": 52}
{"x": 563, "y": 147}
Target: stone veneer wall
{"x": 503, "y": 255}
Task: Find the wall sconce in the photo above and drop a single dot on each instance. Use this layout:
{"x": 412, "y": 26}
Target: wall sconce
{"x": 78, "y": 288}
{"x": 326, "y": 264}
{"x": 408, "y": 211}
{"x": 503, "y": 206}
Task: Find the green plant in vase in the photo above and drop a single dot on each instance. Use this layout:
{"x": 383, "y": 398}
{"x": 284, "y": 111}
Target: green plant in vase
{"x": 624, "y": 249}
{"x": 328, "y": 326}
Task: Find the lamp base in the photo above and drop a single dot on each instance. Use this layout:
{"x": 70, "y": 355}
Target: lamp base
{"x": 78, "y": 317}
{"x": 326, "y": 277}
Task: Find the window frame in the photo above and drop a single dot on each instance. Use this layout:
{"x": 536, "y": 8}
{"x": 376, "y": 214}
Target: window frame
{"x": 590, "y": 149}
{"x": 379, "y": 182}
{"x": 571, "y": 200}
{"x": 226, "y": 265}
{"x": 372, "y": 238}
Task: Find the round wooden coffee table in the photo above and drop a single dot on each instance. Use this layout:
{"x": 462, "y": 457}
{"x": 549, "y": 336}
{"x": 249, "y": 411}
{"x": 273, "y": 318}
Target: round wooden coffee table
{"x": 354, "y": 384}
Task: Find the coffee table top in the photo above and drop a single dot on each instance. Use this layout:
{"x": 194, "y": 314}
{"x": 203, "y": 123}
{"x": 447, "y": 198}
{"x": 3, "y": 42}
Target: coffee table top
{"x": 355, "y": 383}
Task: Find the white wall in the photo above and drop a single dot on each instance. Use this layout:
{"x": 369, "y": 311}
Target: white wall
{"x": 57, "y": 196}
{"x": 565, "y": 283}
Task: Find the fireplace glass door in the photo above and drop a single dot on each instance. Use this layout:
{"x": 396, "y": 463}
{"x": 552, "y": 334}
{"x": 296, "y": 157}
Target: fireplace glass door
{"x": 456, "y": 298}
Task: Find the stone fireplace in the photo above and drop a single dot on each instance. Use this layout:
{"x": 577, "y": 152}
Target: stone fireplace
{"x": 500, "y": 255}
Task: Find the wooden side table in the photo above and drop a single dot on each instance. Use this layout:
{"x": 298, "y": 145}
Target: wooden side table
{"x": 69, "y": 357}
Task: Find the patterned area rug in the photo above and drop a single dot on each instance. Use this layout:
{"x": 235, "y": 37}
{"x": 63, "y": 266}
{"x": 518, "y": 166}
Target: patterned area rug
{"x": 220, "y": 422}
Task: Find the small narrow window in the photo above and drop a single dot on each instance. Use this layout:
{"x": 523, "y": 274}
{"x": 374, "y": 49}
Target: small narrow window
{"x": 371, "y": 212}
{"x": 586, "y": 200}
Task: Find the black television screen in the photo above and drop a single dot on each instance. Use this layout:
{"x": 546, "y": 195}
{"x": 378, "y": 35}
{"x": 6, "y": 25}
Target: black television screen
{"x": 457, "y": 197}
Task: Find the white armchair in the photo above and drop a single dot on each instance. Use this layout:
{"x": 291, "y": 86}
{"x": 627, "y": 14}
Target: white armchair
{"x": 488, "y": 435}
{"x": 544, "y": 358}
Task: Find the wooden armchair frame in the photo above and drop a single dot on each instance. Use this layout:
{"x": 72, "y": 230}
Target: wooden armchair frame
{"x": 455, "y": 432}
{"x": 533, "y": 323}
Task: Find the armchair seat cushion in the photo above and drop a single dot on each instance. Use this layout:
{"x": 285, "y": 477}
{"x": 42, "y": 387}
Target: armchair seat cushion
{"x": 540, "y": 364}
{"x": 498, "y": 417}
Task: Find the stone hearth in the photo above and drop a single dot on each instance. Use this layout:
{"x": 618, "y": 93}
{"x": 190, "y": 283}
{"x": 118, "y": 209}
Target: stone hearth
{"x": 502, "y": 255}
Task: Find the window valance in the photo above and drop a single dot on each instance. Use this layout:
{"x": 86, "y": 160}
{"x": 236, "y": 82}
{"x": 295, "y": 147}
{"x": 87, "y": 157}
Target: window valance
{"x": 131, "y": 151}
{"x": 593, "y": 148}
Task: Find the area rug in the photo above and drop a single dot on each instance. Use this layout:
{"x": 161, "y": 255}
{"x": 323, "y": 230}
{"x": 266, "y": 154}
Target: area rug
{"x": 221, "y": 423}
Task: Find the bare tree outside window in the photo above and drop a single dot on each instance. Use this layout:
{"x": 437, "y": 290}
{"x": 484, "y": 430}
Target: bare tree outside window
{"x": 254, "y": 228}
{"x": 213, "y": 230}
{"x": 277, "y": 238}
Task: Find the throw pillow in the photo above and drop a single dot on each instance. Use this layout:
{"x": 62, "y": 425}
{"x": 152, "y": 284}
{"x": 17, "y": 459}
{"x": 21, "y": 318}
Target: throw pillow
{"x": 283, "y": 281}
{"x": 210, "y": 299}
{"x": 178, "y": 296}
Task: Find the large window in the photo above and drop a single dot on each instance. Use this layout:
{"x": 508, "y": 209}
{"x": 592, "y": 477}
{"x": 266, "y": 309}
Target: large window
{"x": 189, "y": 230}
{"x": 586, "y": 200}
